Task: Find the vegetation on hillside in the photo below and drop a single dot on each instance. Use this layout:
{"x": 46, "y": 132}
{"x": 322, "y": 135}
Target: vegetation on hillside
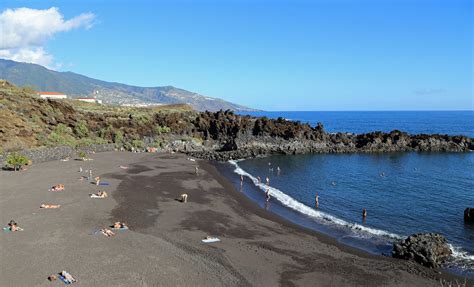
{"x": 27, "y": 121}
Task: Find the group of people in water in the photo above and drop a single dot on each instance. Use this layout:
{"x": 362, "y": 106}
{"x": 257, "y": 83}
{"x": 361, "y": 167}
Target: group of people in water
{"x": 316, "y": 199}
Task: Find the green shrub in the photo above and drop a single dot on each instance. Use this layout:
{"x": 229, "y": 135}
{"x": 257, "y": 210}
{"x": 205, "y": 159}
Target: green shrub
{"x": 118, "y": 137}
{"x": 86, "y": 142}
{"x": 157, "y": 143}
{"x": 61, "y": 135}
{"x": 82, "y": 154}
{"x": 138, "y": 144}
{"x": 55, "y": 138}
{"x": 81, "y": 129}
{"x": 162, "y": 130}
{"x": 16, "y": 161}
{"x": 62, "y": 129}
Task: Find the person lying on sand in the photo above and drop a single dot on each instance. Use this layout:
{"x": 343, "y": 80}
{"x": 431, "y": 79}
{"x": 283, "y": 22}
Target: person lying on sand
{"x": 107, "y": 232}
{"x": 100, "y": 194}
{"x": 58, "y": 187}
{"x": 13, "y": 226}
{"x": 120, "y": 225}
{"x": 123, "y": 167}
{"x": 183, "y": 198}
{"x": 50, "y": 206}
{"x": 68, "y": 277}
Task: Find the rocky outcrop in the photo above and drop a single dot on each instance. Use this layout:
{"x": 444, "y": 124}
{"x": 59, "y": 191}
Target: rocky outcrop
{"x": 427, "y": 249}
{"x": 469, "y": 215}
{"x": 232, "y": 137}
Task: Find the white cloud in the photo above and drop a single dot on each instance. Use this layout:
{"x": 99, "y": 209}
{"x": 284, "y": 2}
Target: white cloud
{"x": 24, "y": 32}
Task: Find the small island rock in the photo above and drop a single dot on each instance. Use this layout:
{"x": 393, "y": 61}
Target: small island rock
{"x": 427, "y": 249}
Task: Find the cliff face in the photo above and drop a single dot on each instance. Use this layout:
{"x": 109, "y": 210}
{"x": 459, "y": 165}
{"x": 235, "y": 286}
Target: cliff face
{"x": 229, "y": 136}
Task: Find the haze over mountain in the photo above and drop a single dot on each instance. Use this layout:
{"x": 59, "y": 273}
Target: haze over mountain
{"x": 76, "y": 85}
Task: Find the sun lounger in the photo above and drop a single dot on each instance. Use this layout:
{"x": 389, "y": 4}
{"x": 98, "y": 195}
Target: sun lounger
{"x": 211, "y": 240}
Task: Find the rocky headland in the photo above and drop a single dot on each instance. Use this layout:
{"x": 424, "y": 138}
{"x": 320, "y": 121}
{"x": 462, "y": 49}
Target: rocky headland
{"x": 229, "y": 136}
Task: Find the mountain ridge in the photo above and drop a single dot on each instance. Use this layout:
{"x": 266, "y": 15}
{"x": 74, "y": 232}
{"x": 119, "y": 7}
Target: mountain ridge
{"x": 77, "y": 85}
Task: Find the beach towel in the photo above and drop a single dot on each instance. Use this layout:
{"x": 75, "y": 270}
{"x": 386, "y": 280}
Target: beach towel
{"x": 64, "y": 279}
{"x": 103, "y": 183}
{"x": 7, "y": 229}
{"x": 211, "y": 240}
{"x": 95, "y": 196}
{"x": 121, "y": 229}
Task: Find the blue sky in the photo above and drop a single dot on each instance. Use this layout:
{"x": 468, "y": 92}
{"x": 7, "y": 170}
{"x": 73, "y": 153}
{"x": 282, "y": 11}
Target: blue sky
{"x": 275, "y": 55}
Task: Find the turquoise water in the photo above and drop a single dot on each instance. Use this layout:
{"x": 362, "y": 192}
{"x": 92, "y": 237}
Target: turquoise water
{"x": 403, "y": 193}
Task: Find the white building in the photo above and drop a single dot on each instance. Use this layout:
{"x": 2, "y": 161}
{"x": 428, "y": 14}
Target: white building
{"x": 90, "y": 100}
{"x": 52, "y": 95}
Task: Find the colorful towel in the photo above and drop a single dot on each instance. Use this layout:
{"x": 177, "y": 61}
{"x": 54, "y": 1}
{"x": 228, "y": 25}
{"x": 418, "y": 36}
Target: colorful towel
{"x": 103, "y": 183}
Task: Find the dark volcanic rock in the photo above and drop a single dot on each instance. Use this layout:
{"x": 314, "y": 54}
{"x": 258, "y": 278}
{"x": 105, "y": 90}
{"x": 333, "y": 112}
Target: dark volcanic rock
{"x": 428, "y": 249}
{"x": 469, "y": 215}
{"x": 231, "y": 136}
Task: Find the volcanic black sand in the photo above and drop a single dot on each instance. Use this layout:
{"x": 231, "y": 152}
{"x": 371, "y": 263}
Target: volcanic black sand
{"x": 163, "y": 246}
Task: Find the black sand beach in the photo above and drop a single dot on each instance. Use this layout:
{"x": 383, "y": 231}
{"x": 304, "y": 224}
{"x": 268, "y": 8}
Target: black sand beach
{"x": 163, "y": 246}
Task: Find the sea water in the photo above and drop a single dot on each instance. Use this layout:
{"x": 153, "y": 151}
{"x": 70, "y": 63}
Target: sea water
{"x": 403, "y": 193}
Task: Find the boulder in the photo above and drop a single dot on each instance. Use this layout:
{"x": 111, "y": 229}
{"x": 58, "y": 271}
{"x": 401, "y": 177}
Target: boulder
{"x": 469, "y": 215}
{"x": 427, "y": 249}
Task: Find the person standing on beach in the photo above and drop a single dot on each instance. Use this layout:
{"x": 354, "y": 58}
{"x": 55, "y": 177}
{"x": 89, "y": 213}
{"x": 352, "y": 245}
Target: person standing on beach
{"x": 196, "y": 170}
{"x": 90, "y": 174}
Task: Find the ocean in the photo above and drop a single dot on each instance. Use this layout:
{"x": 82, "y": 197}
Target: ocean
{"x": 403, "y": 193}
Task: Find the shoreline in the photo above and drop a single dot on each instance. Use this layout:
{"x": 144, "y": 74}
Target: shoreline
{"x": 252, "y": 206}
{"x": 284, "y": 206}
{"x": 163, "y": 245}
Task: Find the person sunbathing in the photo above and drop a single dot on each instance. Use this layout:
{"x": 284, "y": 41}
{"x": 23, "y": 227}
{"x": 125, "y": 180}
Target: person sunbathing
{"x": 49, "y": 206}
{"x": 120, "y": 225}
{"x": 13, "y": 226}
{"x": 68, "y": 277}
{"x": 107, "y": 232}
{"x": 58, "y": 187}
{"x": 184, "y": 197}
{"x": 100, "y": 194}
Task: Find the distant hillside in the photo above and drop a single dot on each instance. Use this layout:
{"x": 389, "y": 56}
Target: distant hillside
{"x": 75, "y": 85}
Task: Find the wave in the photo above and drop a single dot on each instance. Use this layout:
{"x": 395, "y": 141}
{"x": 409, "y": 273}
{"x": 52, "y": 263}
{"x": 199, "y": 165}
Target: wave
{"x": 358, "y": 230}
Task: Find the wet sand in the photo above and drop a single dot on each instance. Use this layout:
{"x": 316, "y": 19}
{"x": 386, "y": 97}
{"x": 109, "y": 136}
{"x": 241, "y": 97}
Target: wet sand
{"x": 163, "y": 246}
